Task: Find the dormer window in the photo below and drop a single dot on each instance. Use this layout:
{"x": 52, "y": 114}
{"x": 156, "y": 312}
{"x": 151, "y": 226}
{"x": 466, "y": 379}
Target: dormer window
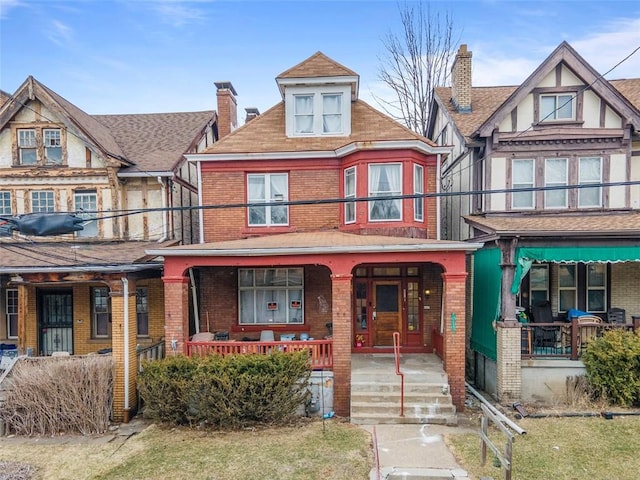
{"x": 557, "y": 107}
{"x": 318, "y": 111}
{"x": 27, "y": 147}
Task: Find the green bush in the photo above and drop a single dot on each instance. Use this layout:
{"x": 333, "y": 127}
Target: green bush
{"x": 613, "y": 366}
{"x": 233, "y": 391}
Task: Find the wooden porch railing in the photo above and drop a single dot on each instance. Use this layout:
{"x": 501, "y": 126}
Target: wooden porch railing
{"x": 320, "y": 351}
{"x": 152, "y": 352}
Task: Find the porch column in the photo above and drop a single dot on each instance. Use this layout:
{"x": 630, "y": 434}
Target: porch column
{"x": 508, "y": 347}
{"x": 454, "y": 312}
{"x": 123, "y": 344}
{"x": 341, "y": 318}
{"x": 176, "y": 308}
{"x": 27, "y": 319}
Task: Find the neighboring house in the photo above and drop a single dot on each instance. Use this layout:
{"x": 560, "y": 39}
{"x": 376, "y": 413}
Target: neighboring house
{"x": 293, "y": 245}
{"x": 560, "y": 155}
{"x": 97, "y": 289}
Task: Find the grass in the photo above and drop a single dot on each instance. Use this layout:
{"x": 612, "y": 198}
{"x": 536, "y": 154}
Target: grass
{"x": 561, "y": 448}
{"x": 306, "y": 451}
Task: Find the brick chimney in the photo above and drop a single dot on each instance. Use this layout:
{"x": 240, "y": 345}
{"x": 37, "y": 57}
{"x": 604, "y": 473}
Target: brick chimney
{"x": 252, "y": 112}
{"x": 461, "y": 80}
{"x": 227, "y": 108}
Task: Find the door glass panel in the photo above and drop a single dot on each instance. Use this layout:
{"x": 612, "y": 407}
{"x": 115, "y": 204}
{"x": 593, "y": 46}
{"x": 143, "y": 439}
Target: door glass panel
{"x": 413, "y": 306}
{"x": 361, "y": 306}
{"x": 387, "y": 298}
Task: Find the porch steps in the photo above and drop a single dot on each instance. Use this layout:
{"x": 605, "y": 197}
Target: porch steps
{"x": 376, "y": 391}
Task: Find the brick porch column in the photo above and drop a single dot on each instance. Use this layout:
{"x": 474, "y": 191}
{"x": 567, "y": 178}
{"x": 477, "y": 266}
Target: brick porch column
{"x": 176, "y": 308}
{"x": 341, "y": 317}
{"x": 454, "y": 335}
{"x": 509, "y": 361}
{"x": 123, "y": 404}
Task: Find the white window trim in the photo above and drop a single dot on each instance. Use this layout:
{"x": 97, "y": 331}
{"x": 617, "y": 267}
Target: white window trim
{"x": 9, "y": 314}
{"x": 355, "y": 189}
{"x": 47, "y": 147}
{"x": 255, "y": 288}
{"x": 317, "y": 92}
{"x": 418, "y": 201}
{"x": 522, "y": 185}
{"x": 267, "y": 199}
{"x": 90, "y": 217}
{"x": 29, "y": 146}
{"x": 580, "y": 182}
{"x": 554, "y": 184}
{"x": 546, "y": 288}
{"x": 370, "y": 194}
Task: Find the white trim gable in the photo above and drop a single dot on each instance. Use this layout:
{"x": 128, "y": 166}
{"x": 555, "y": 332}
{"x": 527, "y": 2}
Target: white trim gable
{"x": 316, "y": 127}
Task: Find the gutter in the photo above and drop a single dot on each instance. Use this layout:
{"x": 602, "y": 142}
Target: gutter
{"x": 82, "y": 269}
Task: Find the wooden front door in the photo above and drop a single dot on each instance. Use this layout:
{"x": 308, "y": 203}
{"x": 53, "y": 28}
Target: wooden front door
{"x": 387, "y": 313}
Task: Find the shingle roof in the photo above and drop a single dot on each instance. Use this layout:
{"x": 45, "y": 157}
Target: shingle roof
{"x": 536, "y": 224}
{"x": 630, "y": 88}
{"x": 155, "y": 141}
{"x": 267, "y": 133}
{"x": 317, "y": 65}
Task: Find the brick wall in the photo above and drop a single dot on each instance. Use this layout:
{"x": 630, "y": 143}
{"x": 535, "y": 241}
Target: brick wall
{"x": 461, "y": 80}
{"x": 509, "y": 362}
{"x": 454, "y": 360}
{"x": 341, "y": 307}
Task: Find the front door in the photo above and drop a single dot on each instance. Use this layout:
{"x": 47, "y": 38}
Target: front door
{"x": 55, "y": 321}
{"x": 387, "y": 314}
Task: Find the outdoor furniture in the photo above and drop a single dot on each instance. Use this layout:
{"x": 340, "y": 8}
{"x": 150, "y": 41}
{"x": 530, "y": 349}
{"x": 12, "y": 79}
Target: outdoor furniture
{"x": 267, "y": 336}
{"x": 617, "y": 315}
{"x": 543, "y": 336}
{"x": 588, "y": 326}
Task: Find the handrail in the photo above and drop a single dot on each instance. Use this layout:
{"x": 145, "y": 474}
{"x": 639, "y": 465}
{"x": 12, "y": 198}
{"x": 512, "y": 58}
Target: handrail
{"x": 396, "y": 354}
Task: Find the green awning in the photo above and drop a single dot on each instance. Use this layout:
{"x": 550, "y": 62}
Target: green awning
{"x": 525, "y": 256}
{"x": 487, "y": 281}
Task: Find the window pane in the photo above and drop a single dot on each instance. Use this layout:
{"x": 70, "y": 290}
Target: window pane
{"x": 567, "y": 275}
{"x": 547, "y": 108}
{"x": 350, "y": 192}
{"x": 303, "y": 106}
{"x": 522, "y": 174}
{"x": 385, "y": 180}
{"x": 565, "y": 107}
{"x": 5, "y": 209}
{"x": 332, "y": 113}
{"x": 276, "y": 298}
{"x": 87, "y": 202}
{"x": 42, "y": 202}
{"x": 142, "y": 310}
{"x": 567, "y": 300}
{"x": 555, "y": 175}
{"x": 246, "y": 278}
{"x": 596, "y": 274}
{"x": 52, "y": 144}
{"x": 12, "y": 313}
{"x": 538, "y": 276}
{"x": 595, "y": 301}
{"x": 295, "y": 277}
{"x": 295, "y": 306}
{"x": 418, "y": 188}
{"x": 590, "y": 172}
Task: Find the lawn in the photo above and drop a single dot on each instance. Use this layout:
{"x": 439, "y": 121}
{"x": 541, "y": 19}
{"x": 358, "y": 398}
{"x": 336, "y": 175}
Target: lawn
{"x": 333, "y": 450}
{"x": 572, "y": 448}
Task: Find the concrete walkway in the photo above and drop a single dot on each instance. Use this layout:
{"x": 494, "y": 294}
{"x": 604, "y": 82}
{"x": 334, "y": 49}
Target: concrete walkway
{"x": 413, "y": 452}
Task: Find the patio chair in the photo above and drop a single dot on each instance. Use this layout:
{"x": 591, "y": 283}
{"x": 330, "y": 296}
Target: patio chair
{"x": 588, "y": 326}
{"x": 617, "y": 315}
{"x": 543, "y": 336}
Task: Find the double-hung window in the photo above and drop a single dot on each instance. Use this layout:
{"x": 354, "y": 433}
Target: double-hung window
{"x": 142, "y": 311}
{"x": 596, "y": 287}
{"x": 27, "y": 147}
{"x": 331, "y": 113}
{"x": 303, "y": 113}
{"x": 268, "y": 188}
{"x": 318, "y": 111}
{"x": 567, "y": 286}
{"x": 418, "y": 189}
{"x": 522, "y": 172}
{"x": 11, "y": 311}
{"x": 590, "y": 171}
{"x": 86, "y": 206}
{"x": 101, "y": 312}
{"x": 538, "y": 284}
{"x": 557, "y": 107}
{"x": 52, "y": 146}
{"x": 5, "y": 209}
{"x": 385, "y": 180}
{"x": 271, "y": 296}
{"x": 350, "y": 192}
{"x": 42, "y": 201}
{"x": 555, "y": 175}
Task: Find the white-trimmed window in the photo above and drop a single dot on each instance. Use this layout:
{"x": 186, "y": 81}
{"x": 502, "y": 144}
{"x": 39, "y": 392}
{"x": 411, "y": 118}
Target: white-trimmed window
{"x": 52, "y": 146}
{"x": 567, "y": 286}
{"x": 590, "y": 171}
{"x": 385, "y": 180}
{"x": 268, "y": 188}
{"x": 350, "y": 192}
{"x": 555, "y": 175}
{"x": 42, "y": 201}
{"x": 142, "y": 311}
{"x": 318, "y": 111}
{"x": 5, "y": 209}
{"x": 11, "y": 311}
{"x": 87, "y": 201}
{"x": 522, "y": 173}
{"x": 100, "y": 312}
{"x": 557, "y": 107}
{"x": 27, "y": 152}
{"x": 418, "y": 189}
{"x": 596, "y": 287}
{"x": 271, "y": 296}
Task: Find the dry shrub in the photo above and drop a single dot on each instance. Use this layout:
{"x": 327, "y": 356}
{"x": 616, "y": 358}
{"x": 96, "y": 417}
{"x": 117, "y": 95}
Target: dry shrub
{"x": 53, "y": 395}
{"x": 16, "y": 471}
{"x": 579, "y": 392}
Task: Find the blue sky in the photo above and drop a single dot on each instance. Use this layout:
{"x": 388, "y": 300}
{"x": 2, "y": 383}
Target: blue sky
{"x": 139, "y": 56}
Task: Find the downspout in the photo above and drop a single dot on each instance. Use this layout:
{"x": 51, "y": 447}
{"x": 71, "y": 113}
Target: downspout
{"x": 438, "y": 200}
{"x": 125, "y": 298}
{"x": 164, "y": 205}
{"x": 194, "y": 296}
{"x": 200, "y": 209}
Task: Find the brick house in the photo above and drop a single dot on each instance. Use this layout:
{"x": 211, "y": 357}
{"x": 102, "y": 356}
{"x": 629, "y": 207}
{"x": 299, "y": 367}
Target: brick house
{"x": 95, "y": 289}
{"x": 550, "y": 171}
{"x": 316, "y": 222}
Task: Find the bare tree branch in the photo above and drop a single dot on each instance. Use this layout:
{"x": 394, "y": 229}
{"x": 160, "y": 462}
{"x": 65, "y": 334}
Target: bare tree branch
{"x": 415, "y": 63}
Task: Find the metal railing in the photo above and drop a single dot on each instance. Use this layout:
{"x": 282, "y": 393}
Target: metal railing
{"x": 396, "y": 354}
{"x": 320, "y": 351}
{"x": 152, "y": 352}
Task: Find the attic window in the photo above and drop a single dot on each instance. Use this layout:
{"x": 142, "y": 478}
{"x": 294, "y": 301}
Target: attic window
{"x": 557, "y": 107}
{"x": 318, "y": 111}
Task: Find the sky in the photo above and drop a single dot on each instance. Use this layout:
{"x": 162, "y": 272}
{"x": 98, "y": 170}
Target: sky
{"x": 147, "y": 56}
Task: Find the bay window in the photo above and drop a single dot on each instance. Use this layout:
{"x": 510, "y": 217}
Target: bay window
{"x": 268, "y": 188}
{"x": 271, "y": 296}
{"x": 555, "y": 175}
{"x": 350, "y": 192}
{"x": 418, "y": 189}
{"x": 385, "y": 180}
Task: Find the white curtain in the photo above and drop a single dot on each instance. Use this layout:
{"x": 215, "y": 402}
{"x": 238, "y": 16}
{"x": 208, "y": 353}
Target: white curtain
{"x": 257, "y": 215}
{"x": 556, "y": 174}
{"x": 304, "y": 113}
{"x": 279, "y": 192}
{"x": 385, "y": 180}
{"x": 332, "y": 113}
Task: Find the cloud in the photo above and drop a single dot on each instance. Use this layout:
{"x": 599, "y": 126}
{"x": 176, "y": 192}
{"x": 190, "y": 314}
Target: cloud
{"x": 178, "y": 13}
{"x": 6, "y": 5}
{"x": 60, "y": 33}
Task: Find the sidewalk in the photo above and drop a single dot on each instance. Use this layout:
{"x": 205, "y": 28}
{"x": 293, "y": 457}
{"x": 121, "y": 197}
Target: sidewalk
{"x": 413, "y": 451}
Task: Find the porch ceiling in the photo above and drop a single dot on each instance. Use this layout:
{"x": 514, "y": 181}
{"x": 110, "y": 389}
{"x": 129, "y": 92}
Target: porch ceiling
{"x": 315, "y": 243}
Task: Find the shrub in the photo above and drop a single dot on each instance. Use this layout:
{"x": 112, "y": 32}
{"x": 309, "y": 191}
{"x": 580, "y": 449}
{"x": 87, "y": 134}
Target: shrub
{"x": 613, "y": 366}
{"x": 233, "y": 391}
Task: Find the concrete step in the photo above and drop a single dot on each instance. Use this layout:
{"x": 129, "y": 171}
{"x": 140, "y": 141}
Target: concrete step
{"x": 376, "y": 419}
{"x": 389, "y": 377}
{"x": 393, "y": 408}
{"x": 414, "y": 398}
{"x": 395, "y": 387}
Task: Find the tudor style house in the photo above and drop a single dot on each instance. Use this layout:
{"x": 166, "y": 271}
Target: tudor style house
{"x": 316, "y": 224}
{"x": 548, "y": 177}
{"x": 95, "y": 290}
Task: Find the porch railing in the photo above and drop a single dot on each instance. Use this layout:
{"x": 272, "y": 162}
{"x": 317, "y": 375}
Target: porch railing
{"x": 320, "y": 351}
{"x": 560, "y": 339}
{"x": 152, "y": 352}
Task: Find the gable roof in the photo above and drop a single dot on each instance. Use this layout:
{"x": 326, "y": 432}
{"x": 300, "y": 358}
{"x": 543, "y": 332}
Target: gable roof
{"x": 4, "y": 96}
{"x": 317, "y": 65}
{"x": 156, "y": 141}
{"x": 367, "y": 125}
